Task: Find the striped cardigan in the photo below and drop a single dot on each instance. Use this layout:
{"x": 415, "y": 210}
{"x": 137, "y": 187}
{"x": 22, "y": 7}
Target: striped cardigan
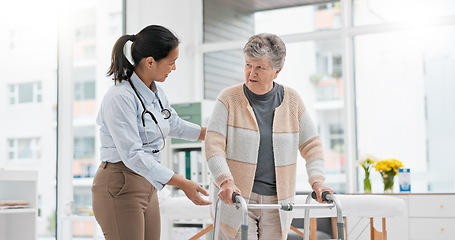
{"x": 232, "y": 144}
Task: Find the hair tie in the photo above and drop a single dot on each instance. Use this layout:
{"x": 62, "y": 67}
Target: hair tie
{"x": 132, "y": 37}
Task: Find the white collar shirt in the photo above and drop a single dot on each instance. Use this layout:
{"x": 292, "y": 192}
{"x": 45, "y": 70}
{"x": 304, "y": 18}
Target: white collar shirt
{"x": 122, "y": 135}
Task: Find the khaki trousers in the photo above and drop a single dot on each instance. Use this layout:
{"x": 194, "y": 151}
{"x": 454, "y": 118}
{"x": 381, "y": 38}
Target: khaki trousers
{"x": 125, "y": 204}
{"x": 263, "y": 224}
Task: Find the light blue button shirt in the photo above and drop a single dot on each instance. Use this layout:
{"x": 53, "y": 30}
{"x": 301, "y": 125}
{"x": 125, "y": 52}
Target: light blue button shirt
{"x": 122, "y": 135}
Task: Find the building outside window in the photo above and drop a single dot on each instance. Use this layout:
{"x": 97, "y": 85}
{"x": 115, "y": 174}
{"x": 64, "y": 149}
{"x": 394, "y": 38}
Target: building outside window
{"x": 25, "y": 93}
{"x": 24, "y": 148}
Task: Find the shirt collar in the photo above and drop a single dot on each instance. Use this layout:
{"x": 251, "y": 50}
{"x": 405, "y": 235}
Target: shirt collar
{"x": 264, "y": 97}
{"x": 142, "y": 89}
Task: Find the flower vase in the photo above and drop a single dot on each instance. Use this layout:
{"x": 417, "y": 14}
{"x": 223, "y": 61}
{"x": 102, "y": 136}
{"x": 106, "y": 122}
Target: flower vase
{"x": 388, "y": 182}
{"x": 367, "y": 183}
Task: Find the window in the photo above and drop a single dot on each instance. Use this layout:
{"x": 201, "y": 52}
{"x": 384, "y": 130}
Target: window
{"x": 19, "y": 40}
{"x": 115, "y": 29}
{"x": 323, "y": 98}
{"x": 84, "y": 90}
{"x": 299, "y": 19}
{"x": 86, "y": 32}
{"x": 404, "y": 86}
{"x": 417, "y": 13}
{"x": 84, "y": 164}
{"x": 24, "y": 149}
{"x": 380, "y": 83}
{"x": 85, "y": 24}
{"x": 336, "y": 138}
{"x": 97, "y": 26}
{"x": 312, "y": 67}
{"x": 25, "y": 93}
{"x": 84, "y": 147}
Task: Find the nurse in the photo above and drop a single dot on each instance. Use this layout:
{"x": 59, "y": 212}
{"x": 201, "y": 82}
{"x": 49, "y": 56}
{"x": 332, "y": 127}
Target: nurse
{"x": 135, "y": 118}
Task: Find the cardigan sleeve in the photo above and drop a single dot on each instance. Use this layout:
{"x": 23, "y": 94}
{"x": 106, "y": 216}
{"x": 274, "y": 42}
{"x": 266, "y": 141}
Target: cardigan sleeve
{"x": 310, "y": 145}
{"x": 215, "y": 144}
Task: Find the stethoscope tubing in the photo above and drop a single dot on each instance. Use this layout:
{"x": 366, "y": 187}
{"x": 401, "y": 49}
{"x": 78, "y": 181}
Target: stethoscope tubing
{"x": 165, "y": 112}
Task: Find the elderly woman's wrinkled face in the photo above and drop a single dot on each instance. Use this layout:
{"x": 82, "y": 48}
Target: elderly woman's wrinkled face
{"x": 259, "y": 75}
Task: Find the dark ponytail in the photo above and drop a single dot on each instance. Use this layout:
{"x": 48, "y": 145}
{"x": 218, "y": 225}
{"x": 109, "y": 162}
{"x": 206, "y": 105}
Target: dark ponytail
{"x": 152, "y": 41}
{"x": 120, "y": 67}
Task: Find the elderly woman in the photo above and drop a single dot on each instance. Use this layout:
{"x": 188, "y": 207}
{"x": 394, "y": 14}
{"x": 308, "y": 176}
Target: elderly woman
{"x": 252, "y": 140}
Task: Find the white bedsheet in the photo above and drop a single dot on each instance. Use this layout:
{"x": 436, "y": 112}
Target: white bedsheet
{"x": 358, "y": 205}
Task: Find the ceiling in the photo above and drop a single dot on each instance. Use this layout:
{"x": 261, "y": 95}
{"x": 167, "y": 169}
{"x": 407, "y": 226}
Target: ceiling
{"x": 261, "y": 5}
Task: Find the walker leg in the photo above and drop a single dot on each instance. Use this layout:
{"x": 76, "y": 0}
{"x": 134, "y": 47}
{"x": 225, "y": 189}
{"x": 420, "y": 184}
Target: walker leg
{"x": 306, "y": 222}
{"x": 216, "y": 220}
{"x": 244, "y": 227}
{"x": 340, "y": 221}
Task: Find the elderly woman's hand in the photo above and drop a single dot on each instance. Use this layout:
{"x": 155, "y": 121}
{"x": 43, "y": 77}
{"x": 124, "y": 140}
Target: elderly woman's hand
{"x": 319, "y": 188}
{"x": 227, "y": 188}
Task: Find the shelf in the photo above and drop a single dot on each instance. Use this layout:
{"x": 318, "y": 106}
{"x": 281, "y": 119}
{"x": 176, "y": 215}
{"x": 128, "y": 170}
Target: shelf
{"x": 20, "y": 222}
{"x": 196, "y": 222}
{"x": 177, "y": 146}
{"x": 18, "y": 175}
{"x": 18, "y": 210}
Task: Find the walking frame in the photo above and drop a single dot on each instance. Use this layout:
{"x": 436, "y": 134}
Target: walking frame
{"x": 240, "y": 203}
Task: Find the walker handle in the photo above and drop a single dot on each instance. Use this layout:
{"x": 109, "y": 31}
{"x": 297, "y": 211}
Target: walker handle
{"x": 234, "y": 195}
{"x": 324, "y": 196}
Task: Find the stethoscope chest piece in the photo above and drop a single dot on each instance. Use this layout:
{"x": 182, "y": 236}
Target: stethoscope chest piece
{"x": 166, "y": 113}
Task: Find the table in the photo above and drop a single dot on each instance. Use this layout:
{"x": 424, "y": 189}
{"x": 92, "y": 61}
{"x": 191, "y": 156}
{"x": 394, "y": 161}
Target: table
{"x": 367, "y": 206}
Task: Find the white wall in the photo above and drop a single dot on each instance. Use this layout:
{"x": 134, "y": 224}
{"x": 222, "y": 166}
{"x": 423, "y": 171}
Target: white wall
{"x": 184, "y": 18}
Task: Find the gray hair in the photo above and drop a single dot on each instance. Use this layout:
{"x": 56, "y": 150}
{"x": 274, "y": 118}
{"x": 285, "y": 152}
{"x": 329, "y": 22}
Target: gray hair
{"x": 266, "y": 45}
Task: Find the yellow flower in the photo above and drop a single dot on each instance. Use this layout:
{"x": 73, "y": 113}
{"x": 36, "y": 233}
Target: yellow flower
{"x": 388, "y": 166}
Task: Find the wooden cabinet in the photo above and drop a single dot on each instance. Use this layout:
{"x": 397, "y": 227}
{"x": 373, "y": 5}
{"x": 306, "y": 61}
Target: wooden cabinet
{"x": 431, "y": 216}
{"x": 18, "y": 186}
{"x": 427, "y": 216}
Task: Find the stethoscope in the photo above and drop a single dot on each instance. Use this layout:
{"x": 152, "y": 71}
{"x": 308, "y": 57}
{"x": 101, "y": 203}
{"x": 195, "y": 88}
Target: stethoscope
{"x": 164, "y": 111}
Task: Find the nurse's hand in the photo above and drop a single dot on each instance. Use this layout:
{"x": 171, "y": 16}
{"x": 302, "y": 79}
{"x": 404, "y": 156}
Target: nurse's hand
{"x": 319, "y": 188}
{"x": 227, "y": 188}
{"x": 192, "y": 189}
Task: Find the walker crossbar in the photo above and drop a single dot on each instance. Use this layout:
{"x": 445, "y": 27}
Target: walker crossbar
{"x": 240, "y": 202}
{"x": 290, "y": 206}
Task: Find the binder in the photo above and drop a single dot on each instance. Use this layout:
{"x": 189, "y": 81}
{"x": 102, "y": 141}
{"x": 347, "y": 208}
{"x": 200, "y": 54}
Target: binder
{"x": 175, "y": 162}
{"x": 194, "y": 165}
{"x": 181, "y": 164}
{"x": 188, "y": 165}
{"x": 199, "y": 167}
